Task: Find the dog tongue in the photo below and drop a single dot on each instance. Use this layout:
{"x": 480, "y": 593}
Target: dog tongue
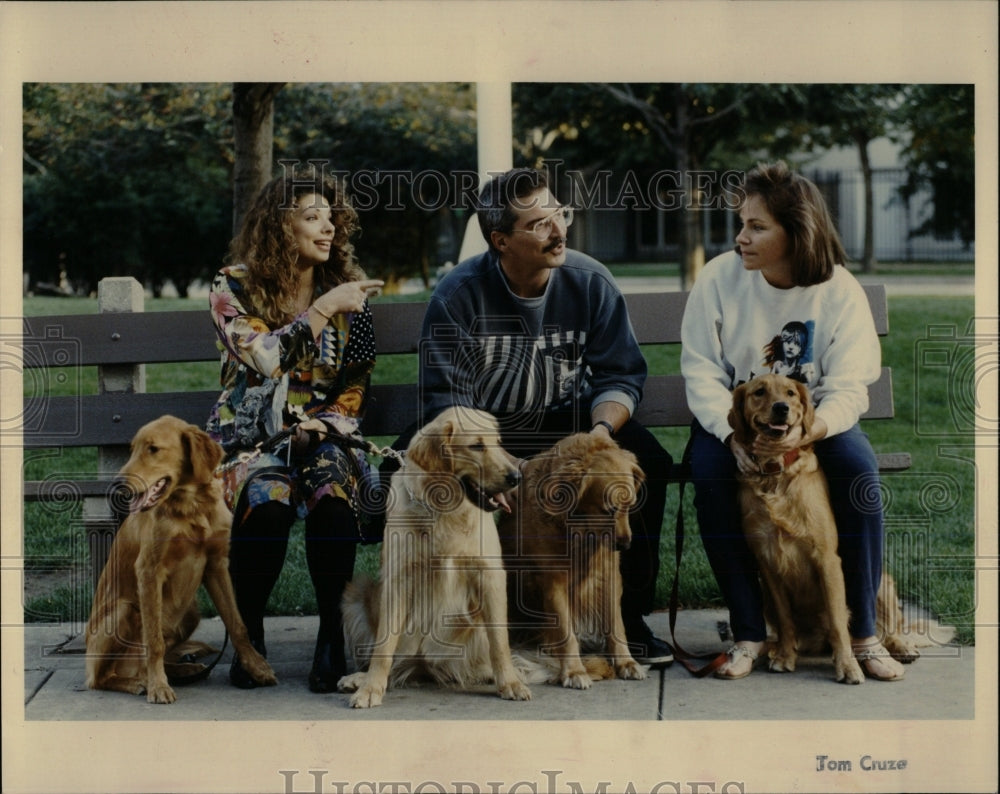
{"x": 147, "y": 499}
{"x": 781, "y": 428}
{"x": 501, "y": 500}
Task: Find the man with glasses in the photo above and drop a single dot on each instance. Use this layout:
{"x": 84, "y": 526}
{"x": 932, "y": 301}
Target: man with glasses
{"x": 539, "y": 336}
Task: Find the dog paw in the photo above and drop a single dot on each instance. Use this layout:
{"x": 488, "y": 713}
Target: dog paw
{"x": 265, "y": 677}
{"x": 850, "y": 672}
{"x": 160, "y": 693}
{"x": 259, "y": 670}
{"x": 350, "y": 683}
{"x": 901, "y": 650}
{"x": 514, "y": 690}
{"x": 367, "y": 697}
{"x": 782, "y": 664}
{"x": 576, "y": 680}
{"x": 631, "y": 671}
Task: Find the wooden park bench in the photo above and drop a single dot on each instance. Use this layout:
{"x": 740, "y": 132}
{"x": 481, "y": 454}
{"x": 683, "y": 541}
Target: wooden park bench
{"x": 121, "y": 338}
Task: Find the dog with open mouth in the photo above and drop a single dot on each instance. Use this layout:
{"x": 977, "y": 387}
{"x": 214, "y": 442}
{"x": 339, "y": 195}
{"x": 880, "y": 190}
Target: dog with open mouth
{"x": 175, "y": 538}
{"x": 789, "y": 524}
{"x": 439, "y": 609}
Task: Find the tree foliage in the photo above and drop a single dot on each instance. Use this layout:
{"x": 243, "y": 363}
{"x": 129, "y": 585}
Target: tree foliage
{"x": 850, "y": 116}
{"x": 126, "y": 179}
{"x": 644, "y": 128}
{"x": 408, "y": 155}
{"x": 694, "y": 127}
{"x": 938, "y": 126}
{"x": 138, "y": 179}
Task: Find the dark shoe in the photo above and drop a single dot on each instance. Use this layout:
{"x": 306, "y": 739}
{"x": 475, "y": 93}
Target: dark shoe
{"x": 239, "y": 677}
{"x": 645, "y": 648}
{"x": 328, "y": 667}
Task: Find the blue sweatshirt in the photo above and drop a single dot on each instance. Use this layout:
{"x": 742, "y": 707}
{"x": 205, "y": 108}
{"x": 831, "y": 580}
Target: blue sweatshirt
{"x": 484, "y": 347}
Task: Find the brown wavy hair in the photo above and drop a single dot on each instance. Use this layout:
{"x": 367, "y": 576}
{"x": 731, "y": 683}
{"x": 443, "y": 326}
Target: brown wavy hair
{"x": 796, "y": 203}
{"x": 266, "y": 242}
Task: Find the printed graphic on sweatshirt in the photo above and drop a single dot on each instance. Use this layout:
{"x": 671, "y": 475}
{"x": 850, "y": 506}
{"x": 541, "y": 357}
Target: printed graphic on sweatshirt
{"x": 514, "y": 373}
{"x": 790, "y": 353}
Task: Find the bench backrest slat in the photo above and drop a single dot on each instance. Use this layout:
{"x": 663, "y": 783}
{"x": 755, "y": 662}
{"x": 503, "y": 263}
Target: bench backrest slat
{"x": 110, "y": 419}
{"x": 157, "y": 337}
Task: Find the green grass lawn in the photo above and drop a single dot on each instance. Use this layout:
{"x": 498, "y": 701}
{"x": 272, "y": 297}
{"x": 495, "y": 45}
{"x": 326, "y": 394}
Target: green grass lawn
{"x": 930, "y": 515}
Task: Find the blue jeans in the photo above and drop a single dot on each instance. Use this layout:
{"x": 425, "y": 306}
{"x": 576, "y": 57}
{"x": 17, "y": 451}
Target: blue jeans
{"x": 852, "y": 472}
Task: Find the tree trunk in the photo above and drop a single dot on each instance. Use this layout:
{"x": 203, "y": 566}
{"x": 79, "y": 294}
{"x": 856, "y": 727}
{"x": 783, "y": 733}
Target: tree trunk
{"x": 253, "y": 133}
{"x": 868, "y": 257}
{"x": 694, "y": 242}
{"x": 692, "y": 249}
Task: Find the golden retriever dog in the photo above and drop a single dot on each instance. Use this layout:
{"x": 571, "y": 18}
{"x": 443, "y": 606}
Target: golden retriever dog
{"x": 439, "y": 610}
{"x": 175, "y": 538}
{"x": 568, "y": 519}
{"x": 789, "y": 525}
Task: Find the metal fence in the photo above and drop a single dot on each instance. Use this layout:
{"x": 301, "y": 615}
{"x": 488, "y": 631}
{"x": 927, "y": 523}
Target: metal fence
{"x": 616, "y": 234}
{"x": 895, "y": 219}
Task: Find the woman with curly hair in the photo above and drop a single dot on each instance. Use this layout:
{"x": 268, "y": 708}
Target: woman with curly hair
{"x": 291, "y": 312}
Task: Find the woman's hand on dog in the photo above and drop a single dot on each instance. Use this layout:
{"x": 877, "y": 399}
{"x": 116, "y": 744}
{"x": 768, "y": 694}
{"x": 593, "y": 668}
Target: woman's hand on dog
{"x": 796, "y": 437}
{"x": 745, "y": 460}
{"x": 763, "y": 448}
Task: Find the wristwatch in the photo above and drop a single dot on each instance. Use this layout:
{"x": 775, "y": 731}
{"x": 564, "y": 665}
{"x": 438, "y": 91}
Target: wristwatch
{"x": 608, "y": 425}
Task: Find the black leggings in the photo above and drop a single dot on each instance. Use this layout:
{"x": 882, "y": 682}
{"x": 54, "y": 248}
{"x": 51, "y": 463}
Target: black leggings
{"x": 257, "y": 554}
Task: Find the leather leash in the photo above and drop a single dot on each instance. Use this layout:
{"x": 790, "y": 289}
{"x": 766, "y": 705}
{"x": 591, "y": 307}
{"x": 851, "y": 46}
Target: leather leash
{"x": 202, "y": 674}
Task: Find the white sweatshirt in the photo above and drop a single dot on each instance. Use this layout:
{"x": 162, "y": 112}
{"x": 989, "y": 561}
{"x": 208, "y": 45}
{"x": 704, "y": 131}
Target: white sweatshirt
{"x": 737, "y": 326}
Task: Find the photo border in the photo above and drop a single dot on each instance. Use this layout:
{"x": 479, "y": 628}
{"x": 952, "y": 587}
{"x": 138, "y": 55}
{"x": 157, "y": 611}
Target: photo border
{"x": 514, "y": 41}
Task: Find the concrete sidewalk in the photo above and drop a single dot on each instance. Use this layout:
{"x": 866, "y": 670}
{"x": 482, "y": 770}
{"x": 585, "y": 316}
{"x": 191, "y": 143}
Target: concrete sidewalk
{"x": 940, "y": 686}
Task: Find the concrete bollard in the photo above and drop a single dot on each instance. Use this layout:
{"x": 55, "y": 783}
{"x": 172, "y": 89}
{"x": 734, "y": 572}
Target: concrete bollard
{"x": 114, "y": 294}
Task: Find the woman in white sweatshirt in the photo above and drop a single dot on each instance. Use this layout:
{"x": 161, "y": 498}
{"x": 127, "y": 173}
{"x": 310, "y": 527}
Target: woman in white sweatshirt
{"x": 783, "y": 302}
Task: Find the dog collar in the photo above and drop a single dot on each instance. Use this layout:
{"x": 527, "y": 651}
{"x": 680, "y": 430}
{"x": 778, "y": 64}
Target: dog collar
{"x": 774, "y": 467}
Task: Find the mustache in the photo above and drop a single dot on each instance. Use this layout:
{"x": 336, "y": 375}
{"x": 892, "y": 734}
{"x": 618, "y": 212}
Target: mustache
{"x": 554, "y": 244}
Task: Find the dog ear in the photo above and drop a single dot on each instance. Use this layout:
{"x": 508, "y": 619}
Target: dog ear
{"x": 449, "y": 430}
{"x": 737, "y": 420}
{"x": 419, "y": 450}
{"x": 808, "y": 411}
{"x": 203, "y": 453}
{"x": 427, "y": 448}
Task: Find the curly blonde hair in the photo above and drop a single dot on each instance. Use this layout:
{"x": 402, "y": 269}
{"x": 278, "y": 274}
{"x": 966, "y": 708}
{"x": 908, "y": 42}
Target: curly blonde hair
{"x": 266, "y": 243}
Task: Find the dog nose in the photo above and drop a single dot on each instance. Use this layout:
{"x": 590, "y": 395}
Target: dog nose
{"x": 623, "y": 544}
{"x": 513, "y": 478}
{"x": 780, "y": 409}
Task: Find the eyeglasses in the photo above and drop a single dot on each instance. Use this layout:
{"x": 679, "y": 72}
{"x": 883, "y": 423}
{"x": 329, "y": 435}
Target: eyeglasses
{"x": 542, "y": 228}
